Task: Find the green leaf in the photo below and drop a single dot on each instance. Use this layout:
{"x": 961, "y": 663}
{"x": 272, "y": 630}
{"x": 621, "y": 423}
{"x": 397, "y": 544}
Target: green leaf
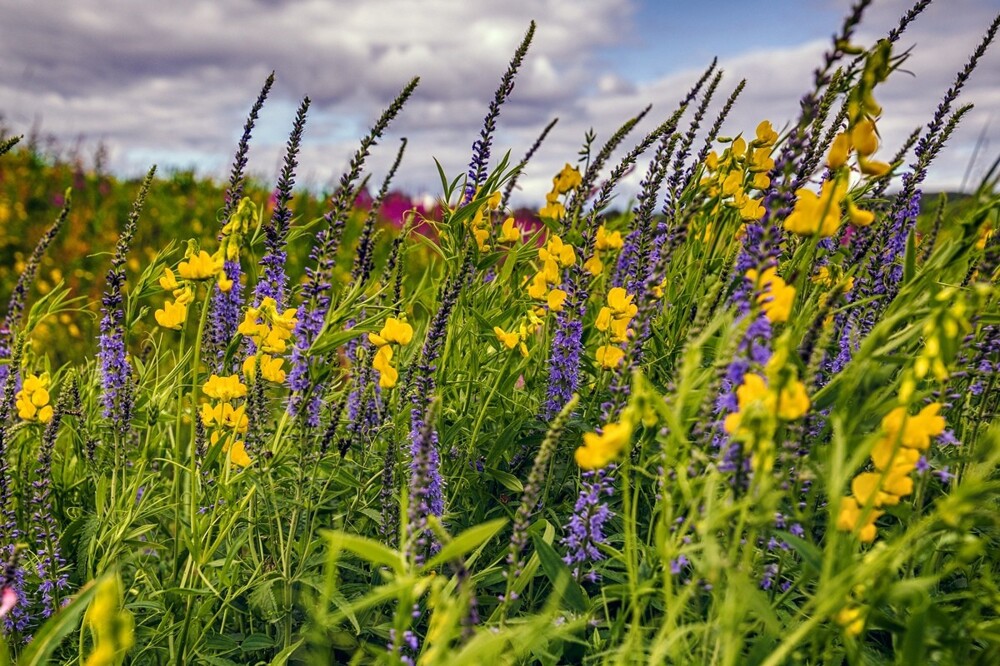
{"x": 810, "y": 554}
{"x": 557, "y": 572}
{"x": 507, "y": 480}
{"x": 468, "y": 540}
{"x": 256, "y": 642}
{"x": 282, "y": 657}
{"x": 366, "y": 549}
{"x": 56, "y": 628}
{"x": 910, "y": 258}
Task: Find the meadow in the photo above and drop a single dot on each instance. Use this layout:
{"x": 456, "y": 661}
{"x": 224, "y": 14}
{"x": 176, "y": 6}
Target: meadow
{"x": 752, "y": 419}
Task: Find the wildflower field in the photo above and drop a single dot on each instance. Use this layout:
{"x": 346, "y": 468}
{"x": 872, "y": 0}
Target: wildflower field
{"x": 752, "y": 419}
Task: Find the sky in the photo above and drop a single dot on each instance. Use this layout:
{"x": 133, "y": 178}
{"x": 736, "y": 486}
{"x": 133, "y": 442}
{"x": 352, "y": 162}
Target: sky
{"x": 172, "y": 83}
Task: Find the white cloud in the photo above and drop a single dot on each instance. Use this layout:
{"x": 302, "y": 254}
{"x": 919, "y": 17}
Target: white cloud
{"x": 175, "y": 82}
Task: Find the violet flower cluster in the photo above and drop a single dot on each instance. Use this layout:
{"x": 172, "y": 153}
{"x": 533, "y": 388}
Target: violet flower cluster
{"x": 118, "y": 392}
{"x": 585, "y": 529}
{"x": 226, "y": 307}
{"x": 273, "y": 282}
{"x": 52, "y": 575}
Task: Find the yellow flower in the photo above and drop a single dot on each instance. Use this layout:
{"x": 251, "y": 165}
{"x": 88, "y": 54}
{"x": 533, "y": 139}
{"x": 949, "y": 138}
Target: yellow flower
{"x": 751, "y": 209}
{"x": 753, "y": 390}
{"x": 852, "y": 620}
{"x": 870, "y": 487}
{"x": 32, "y": 401}
{"x": 776, "y": 296}
{"x": 761, "y": 181}
{"x": 609, "y": 356}
{"x": 761, "y": 161}
{"x": 387, "y": 375}
{"x": 561, "y": 253}
{"x": 394, "y": 331}
{"x": 509, "y": 340}
{"x": 201, "y": 266}
{"x": 234, "y": 418}
{"x": 555, "y": 300}
{"x": 620, "y": 302}
{"x": 863, "y": 137}
{"x": 238, "y": 454}
{"x": 509, "y": 233}
{"x": 766, "y": 136}
{"x": 225, "y": 284}
{"x": 594, "y": 265}
{"x": 914, "y": 432}
{"x": 555, "y": 211}
{"x": 169, "y": 281}
{"x": 859, "y": 217}
{"x": 885, "y": 455}
{"x": 873, "y": 167}
{"x": 840, "y": 150}
{"x": 849, "y": 519}
{"x": 605, "y": 240}
{"x": 820, "y": 213}
{"x": 732, "y": 184}
{"x": 171, "y": 315}
{"x": 567, "y": 179}
{"x": 793, "y": 402}
{"x": 789, "y": 404}
{"x": 270, "y": 368}
{"x": 224, "y": 388}
{"x": 600, "y": 449}
{"x": 110, "y": 624}
{"x": 493, "y": 202}
{"x": 539, "y": 286}
{"x": 739, "y": 147}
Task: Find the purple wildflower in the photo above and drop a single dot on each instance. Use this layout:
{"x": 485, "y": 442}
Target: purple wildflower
{"x": 116, "y": 373}
{"x": 585, "y": 529}
{"x": 274, "y": 280}
{"x": 567, "y": 343}
{"x": 481, "y": 146}
{"x": 51, "y": 565}
{"x": 319, "y": 277}
{"x": 226, "y": 306}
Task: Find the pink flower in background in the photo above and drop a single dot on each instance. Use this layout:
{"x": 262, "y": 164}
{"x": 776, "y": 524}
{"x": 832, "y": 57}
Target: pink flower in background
{"x": 8, "y": 600}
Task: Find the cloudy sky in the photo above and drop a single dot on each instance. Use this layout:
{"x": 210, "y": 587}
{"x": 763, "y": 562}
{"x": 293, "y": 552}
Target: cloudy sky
{"x": 171, "y": 83}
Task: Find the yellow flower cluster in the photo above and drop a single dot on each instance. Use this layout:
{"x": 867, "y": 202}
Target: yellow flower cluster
{"x": 481, "y": 222}
{"x": 774, "y": 295}
{"x": 32, "y": 401}
{"x": 604, "y": 241}
{"x": 517, "y": 337}
{"x": 394, "y": 332}
{"x": 236, "y": 229}
{"x": 270, "y": 367}
{"x": 755, "y": 399}
{"x": 174, "y": 313}
{"x": 614, "y": 320}
{"x": 742, "y": 167}
{"x": 821, "y": 213}
{"x": 199, "y": 265}
{"x": 904, "y": 439}
{"x": 599, "y": 449}
{"x": 268, "y": 328}
{"x": 762, "y": 402}
{"x": 555, "y": 256}
{"x": 563, "y": 183}
{"x": 225, "y": 419}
